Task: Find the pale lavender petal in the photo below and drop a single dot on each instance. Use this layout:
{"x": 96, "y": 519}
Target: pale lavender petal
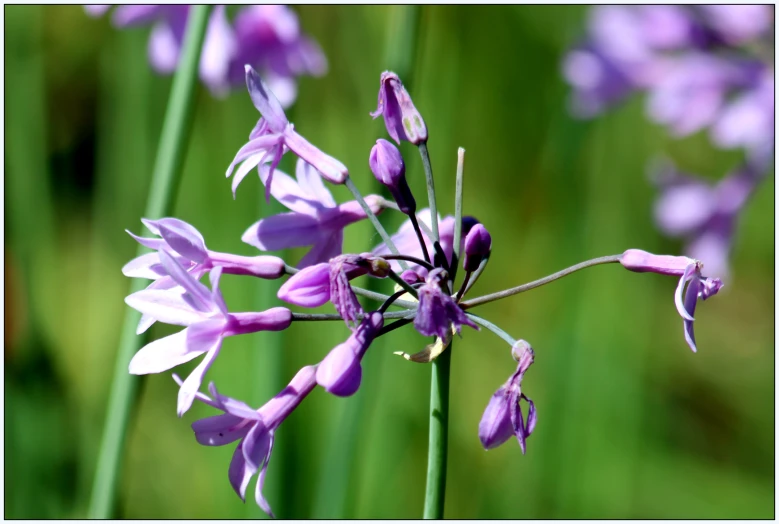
{"x": 340, "y": 373}
{"x": 284, "y": 87}
{"x": 532, "y": 416}
{"x": 165, "y": 305}
{"x": 283, "y": 231}
{"x": 162, "y": 354}
{"x": 205, "y": 335}
{"x": 287, "y": 191}
{"x": 690, "y": 300}
{"x": 495, "y": 425}
{"x": 258, "y": 496}
{"x": 216, "y": 294}
{"x": 308, "y": 288}
{"x": 202, "y": 397}
{"x": 129, "y": 15}
{"x": 164, "y": 48}
{"x": 219, "y": 48}
{"x": 245, "y": 168}
{"x": 183, "y": 238}
{"x": 199, "y": 293}
{"x": 220, "y": 429}
{"x": 144, "y": 266}
{"x": 255, "y": 446}
{"x": 152, "y": 243}
{"x": 192, "y": 383}
{"x": 261, "y": 144}
{"x": 265, "y": 101}
{"x": 144, "y": 324}
{"x": 97, "y": 9}
{"x": 679, "y": 288}
{"x": 330, "y": 168}
{"x": 680, "y": 209}
{"x": 325, "y": 249}
{"x": 238, "y": 473}
{"x": 312, "y": 184}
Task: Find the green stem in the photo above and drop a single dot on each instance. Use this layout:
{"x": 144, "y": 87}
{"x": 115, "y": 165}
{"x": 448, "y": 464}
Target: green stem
{"x": 439, "y": 434}
{"x": 165, "y": 178}
{"x": 458, "y": 212}
{"x": 430, "y": 189}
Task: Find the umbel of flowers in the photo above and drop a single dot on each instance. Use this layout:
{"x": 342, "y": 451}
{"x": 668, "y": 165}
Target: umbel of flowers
{"x": 433, "y": 262}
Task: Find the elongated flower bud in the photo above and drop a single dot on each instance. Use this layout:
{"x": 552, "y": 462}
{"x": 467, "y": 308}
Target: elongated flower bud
{"x": 644, "y": 262}
{"x": 388, "y": 168}
{"x": 478, "y": 244}
{"x": 402, "y": 119}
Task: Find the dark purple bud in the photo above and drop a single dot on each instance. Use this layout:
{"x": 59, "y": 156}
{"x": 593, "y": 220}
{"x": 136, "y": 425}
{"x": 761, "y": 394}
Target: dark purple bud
{"x": 402, "y": 119}
{"x": 412, "y": 277}
{"x": 388, "y": 167}
{"x": 478, "y": 243}
{"x": 467, "y": 224}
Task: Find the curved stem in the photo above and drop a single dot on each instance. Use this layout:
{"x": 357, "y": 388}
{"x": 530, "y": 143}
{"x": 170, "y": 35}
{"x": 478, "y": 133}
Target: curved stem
{"x": 463, "y": 286}
{"x": 420, "y": 238}
{"x": 322, "y": 317}
{"x": 492, "y": 327}
{"x": 402, "y": 283}
{"x": 165, "y": 178}
{"x": 435, "y": 488}
{"x": 424, "y": 263}
{"x": 537, "y": 283}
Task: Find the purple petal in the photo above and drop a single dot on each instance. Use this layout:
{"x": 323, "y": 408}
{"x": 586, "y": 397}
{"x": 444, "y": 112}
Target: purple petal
{"x": 245, "y": 168}
{"x": 258, "y": 496}
{"x": 167, "y": 306}
{"x": 255, "y": 146}
{"x": 198, "y": 292}
{"x": 340, "y": 373}
{"x": 162, "y": 354}
{"x": 289, "y": 192}
{"x": 220, "y": 429}
{"x": 164, "y": 47}
{"x": 532, "y": 416}
{"x": 685, "y": 207}
{"x": 192, "y": 383}
{"x": 129, "y": 15}
{"x": 679, "y": 288}
{"x": 203, "y": 336}
{"x": 265, "y": 102}
{"x": 255, "y": 446}
{"x": 144, "y": 266}
{"x": 219, "y": 48}
{"x": 202, "y": 397}
{"x": 308, "y": 288}
{"x": 495, "y": 425}
{"x": 690, "y": 300}
{"x": 216, "y": 293}
{"x": 311, "y": 183}
{"x": 325, "y": 249}
{"x": 232, "y": 406}
{"x": 151, "y": 243}
{"x": 283, "y": 231}
{"x": 238, "y": 473}
{"x": 330, "y": 168}
{"x": 183, "y": 238}
{"x": 97, "y": 9}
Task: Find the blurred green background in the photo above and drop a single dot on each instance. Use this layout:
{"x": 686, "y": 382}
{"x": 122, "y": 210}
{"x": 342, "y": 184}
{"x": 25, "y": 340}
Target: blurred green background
{"x": 631, "y": 423}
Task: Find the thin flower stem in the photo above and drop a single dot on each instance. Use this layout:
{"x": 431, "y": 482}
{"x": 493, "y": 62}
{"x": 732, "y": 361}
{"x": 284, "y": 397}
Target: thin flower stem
{"x": 165, "y": 178}
{"x": 458, "y": 212}
{"x": 392, "y": 205}
{"x": 402, "y": 283}
{"x": 323, "y": 317}
{"x": 435, "y": 488}
{"x": 463, "y": 286}
{"x": 492, "y": 327}
{"x": 537, "y": 283}
{"x": 430, "y": 189}
{"x": 349, "y": 183}
{"x": 477, "y": 274}
{"x": 395, "y": 325}
{"x": 387, "y": 303}
{"x": 422, "y": 244}
{"x": 415, "y": 260}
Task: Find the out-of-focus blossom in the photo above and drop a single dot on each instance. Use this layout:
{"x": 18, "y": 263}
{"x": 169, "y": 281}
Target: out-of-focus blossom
{"x": 267, "y": 37}
{"x": 503, "y": 416}
{"x": 255, "y": 430}
{"x": 315, "y": 218}
{"x": 207, "y": 322}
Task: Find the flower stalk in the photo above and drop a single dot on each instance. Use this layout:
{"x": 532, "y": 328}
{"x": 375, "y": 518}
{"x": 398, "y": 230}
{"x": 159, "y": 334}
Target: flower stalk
{"x": 165, "y": 178}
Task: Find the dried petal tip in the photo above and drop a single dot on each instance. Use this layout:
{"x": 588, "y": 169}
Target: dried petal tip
{"x": 401, "y": 118}
{"x": 388, "y": 168}
{"x": 523, "y": 353}
{"x": 478, "y": 244}
{"x": 643, "y": 262}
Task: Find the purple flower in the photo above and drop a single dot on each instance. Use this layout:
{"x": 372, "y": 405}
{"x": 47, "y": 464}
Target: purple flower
{"x": 401, "y": 118}
{"x": 318, "y": 284}
{"x": 407, "y": 243}
{"x": 265, "y": 36}
{"x": 736, "y": 24}
{"x": 503, "y": 416}
{"x": 186, "y": 245}
{"x": 438, "y": 312}
{"x": 273, "y": 136}
{"x": 255, "y": 430}
{"x": 340, "y": 373}
{"x": 477, "y": 246}
{"x": 205, "y": 314}
{"x": 316, "y": 220}
{"x": 388, "y": 168}
{"x": 689, "y": 270}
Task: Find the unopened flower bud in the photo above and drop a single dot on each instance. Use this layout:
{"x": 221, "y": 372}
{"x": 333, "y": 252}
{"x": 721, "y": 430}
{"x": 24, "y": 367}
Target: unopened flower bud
{"x": 642, "y": 262}
{"x": 477, "y": 246}
{"x": 388, "y": 167}
{"x": 402, "y": 119}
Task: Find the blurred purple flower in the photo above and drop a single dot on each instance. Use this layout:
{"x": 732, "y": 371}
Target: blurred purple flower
{"x": 267, "y": 37}
{"x": 316, "y": 220}
{"x": 255, "y": 430}
{"x": 205, "y": 314}
{"x": 503, "y": 416}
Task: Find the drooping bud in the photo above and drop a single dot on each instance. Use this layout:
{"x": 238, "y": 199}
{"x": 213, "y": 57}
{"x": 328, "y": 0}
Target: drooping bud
{"x": 402, "y": 119}
{"x": 340, "y": 373}
{"x": 643, "y": 262}
{"x": 478, "y": 243}
{"x": 388, "y": 168}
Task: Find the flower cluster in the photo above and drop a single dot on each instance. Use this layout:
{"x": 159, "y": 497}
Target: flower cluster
{"x": 423, "y": 259}
{"x": 705, "y": 67}
{"x": 266, "y": 36}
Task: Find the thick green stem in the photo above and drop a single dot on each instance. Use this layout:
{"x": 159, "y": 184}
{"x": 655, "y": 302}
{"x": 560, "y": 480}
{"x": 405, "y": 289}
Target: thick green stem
{"x": 439, "y": 436}
{"x": 165, "y": 178}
